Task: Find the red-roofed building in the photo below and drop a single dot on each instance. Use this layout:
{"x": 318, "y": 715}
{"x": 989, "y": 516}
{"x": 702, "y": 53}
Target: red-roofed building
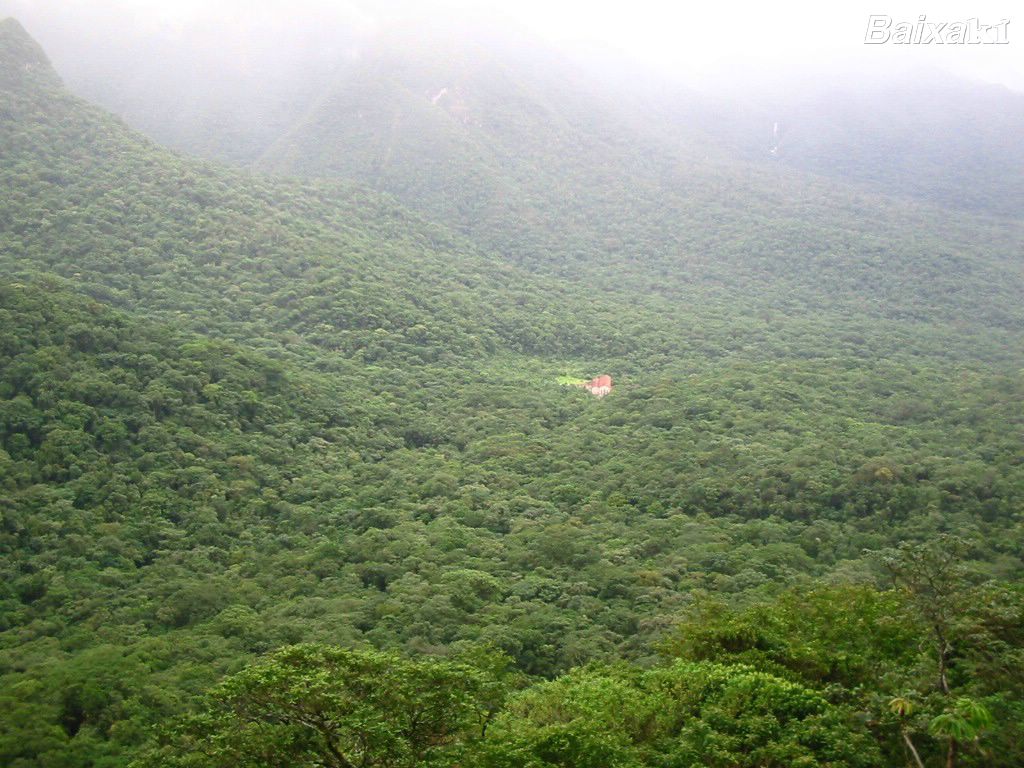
{"x": 600, "y": 386}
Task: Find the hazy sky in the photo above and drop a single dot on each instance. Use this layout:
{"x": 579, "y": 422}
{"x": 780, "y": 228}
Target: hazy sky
{"x": 707, "y": 41}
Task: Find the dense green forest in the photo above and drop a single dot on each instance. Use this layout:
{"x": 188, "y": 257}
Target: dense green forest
{"x": 287, "y": 477}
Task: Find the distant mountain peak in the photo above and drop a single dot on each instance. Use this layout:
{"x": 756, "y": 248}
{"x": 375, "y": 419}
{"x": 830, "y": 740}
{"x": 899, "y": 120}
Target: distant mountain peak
{"x": 21, "y": 57}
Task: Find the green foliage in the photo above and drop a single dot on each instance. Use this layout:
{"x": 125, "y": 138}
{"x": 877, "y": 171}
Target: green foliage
{"x": 684, "y": 714}
{"x": 880, "y": 653}
{"x": 846, "y": 636}
{"x": 322, "y": 706}
{"x": 965, "y": 721}
{"x": 317, "y": 705}
{"x": 239, "y": 414}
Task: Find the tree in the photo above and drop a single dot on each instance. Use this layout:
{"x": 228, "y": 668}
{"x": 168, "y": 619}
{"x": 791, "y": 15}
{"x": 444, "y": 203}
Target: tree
{"x": 313, "y": 705}
{"x": 932, "y": 577}
{"x": 962, "y": 723}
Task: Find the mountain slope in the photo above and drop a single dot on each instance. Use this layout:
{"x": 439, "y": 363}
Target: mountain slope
{"x": 949, "y": 143}
{"x": 239, "y": 89}
{"x": 141, "y": 227}
{"x": 541, "y": 167}
{"x": 931, "y": 138}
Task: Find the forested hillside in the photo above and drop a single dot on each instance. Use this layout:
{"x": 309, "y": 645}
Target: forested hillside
{"x": 922, "y": 135}
{"x": 926, "y": 138}
{"x": 559, "y": 178}
{"x": 522, "y": 151}
{"x": 287, "y": 477}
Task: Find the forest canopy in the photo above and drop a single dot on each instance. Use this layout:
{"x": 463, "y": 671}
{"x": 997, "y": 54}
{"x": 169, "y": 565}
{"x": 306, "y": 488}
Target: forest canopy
{"x": 288, "y": 476}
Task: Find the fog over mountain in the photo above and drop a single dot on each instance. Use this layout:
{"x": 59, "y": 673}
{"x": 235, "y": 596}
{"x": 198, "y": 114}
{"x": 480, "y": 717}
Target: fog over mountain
{"x": 237, "y": 82}
{"x": 716, "y": 45}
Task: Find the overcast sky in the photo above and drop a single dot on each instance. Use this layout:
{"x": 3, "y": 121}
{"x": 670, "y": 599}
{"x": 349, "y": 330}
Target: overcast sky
{"x": 709, "y": 42}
